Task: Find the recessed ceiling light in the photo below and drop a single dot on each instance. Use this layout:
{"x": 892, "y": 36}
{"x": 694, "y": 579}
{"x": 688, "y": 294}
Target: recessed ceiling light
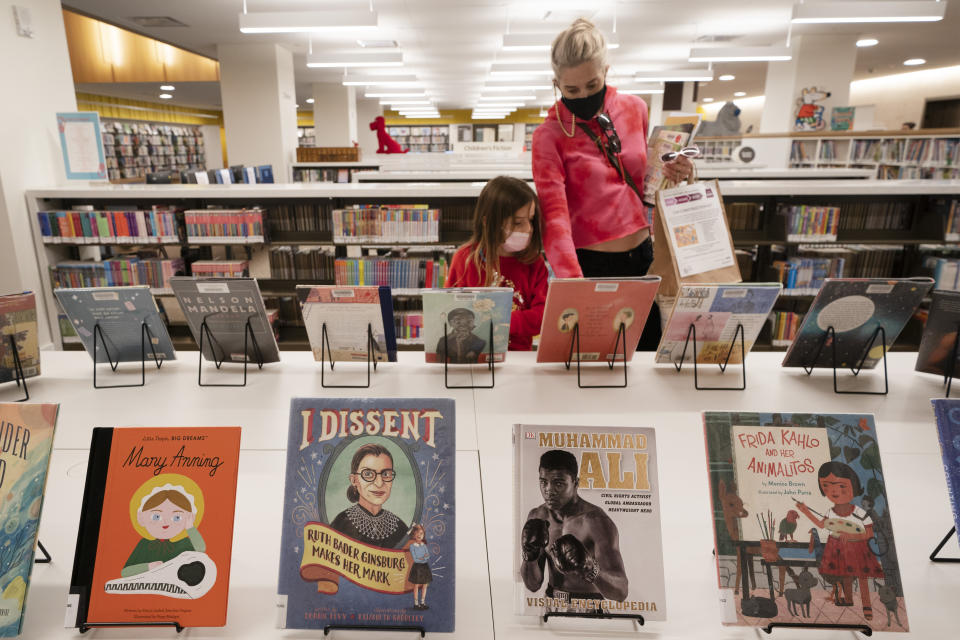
{"x": 167, "y": 87}
{"x": 912, "y": 62}
{"x": 727, "y": 77}
{"x": 165, "y": 96}
{"x": 868, "y": 42}
{"x": 309, "y": 100}
{"x": 708, "y": 100}
{"x": 739, "y": 94}
{"x": 297, "y": 106}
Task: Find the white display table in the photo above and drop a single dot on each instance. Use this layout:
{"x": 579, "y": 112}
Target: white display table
{"x": 525, "y": 392}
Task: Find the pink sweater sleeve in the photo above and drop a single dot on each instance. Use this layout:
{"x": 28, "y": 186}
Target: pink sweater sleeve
{"x": 550, "y": 179}
{"x": 526, "y": 322}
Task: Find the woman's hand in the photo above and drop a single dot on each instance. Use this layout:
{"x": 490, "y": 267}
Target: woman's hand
{"x": 678, "y": 170}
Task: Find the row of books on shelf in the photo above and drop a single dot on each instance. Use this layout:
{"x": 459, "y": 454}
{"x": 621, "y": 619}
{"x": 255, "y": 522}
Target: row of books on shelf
{"x": 398, "y": 273}
{"x": 302, "y": 216}
{"x": 127, "y": 271}
{"x": 386, "y": 223}
{"x": 879, "y": 216}
{"x": 303, "y": 174}
{"x": 157, "y": 225}
{"x": 784, "y": 325}
{"x": 744, "y": 216}
{"x": 804, "y": 274}
{"x": 952, "y": 227}
{"x": 224, "y": 225}
{"x": 418, "y": 131}
{"x": 220, "y": 268}
{"x": 302, "y": 263}
{"x": 811, "y": 223}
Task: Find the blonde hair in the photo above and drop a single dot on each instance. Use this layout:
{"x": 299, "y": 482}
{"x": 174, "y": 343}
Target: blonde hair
{"x": 580, "y": 42}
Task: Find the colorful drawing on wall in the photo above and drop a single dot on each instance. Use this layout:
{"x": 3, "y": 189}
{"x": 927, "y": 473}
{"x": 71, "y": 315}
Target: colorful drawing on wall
{"x": 841, "y": 118}
{"x": 809, "y": 115}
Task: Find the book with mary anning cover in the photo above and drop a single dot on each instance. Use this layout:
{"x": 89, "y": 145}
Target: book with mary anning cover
{"x": 338, "y": 319}
{"x": 855, "y": 308}
{"x": 587, "y": 521}
{"x": 26, "y": 434}
{"x": 112, "y": 319}
{"x": 221, "y": 309}
{"x": 801, "y": 520}
{"x": 471, "y": 317}
{"x": 156, "y": 527}
{"x": 369, "y": 513}
{"x": 947, "y": 411}
{"x": 18, "y": 320}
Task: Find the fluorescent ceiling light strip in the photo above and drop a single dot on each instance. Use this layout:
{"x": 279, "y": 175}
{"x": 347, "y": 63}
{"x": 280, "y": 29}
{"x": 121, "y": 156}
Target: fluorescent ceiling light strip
{"x": 636, "y": 92}
{"x": 380, "y": 83}
{"x": 306, "y": 21}
{"x": 740, "y": 54}
{"x": 541, "y": 41}
{"x": 675, "y": 75}
{"x": 383, "y": 102}
{"x": 500, "y": 98}
{"x": 494, "y": 105}
{"x": 413, "y": 94}
{"x": 876, "y": 11}
{"x": 515, "y": 86}
{"x": 350, "y": 59}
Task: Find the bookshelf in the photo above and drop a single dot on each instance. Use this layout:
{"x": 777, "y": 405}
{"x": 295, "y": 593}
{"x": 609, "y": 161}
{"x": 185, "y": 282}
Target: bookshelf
{"x": 422, "y": 139}
{"x": 330, "y": 171}
{"x": 134, "y": 149}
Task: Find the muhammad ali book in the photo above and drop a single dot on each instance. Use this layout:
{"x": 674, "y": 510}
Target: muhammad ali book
{"x": 940, "y": 335}
{"x": 855, "y": 308}
{"x": 226, "y": 305}
{"x": 587, "y": 526}
{"x": 119, "y": 313}
{"x": 947, "y": 411}
{"x": 716, "y": 311}
{"x": 26, "y": 434}
{"x": 802, "y": 525}
{"x": 347, "y": 312}
{"x": 18, "y": 319}
{"x": 369, "y": 514}
{"x": 597, "y": 307}
{"x": 156, "y": 527}
{"x": 468, "y": 315}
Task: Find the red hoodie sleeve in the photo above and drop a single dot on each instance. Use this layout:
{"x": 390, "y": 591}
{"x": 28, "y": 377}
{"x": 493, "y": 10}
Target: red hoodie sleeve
{"x": 550, "y": 179}
{"x": 457, "y": 273}
{"x": 526, "y": 322}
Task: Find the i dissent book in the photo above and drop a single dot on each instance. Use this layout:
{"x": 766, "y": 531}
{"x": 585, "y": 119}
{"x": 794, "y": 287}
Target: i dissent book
{"x": 467, "y": 315}
{"x": 855, "y": 307}
{"x": 805, "y": 494}
{"x": 587, "y": 526}
{"x": 716, "y": 311}
{"x": 120, "y": 313}
{"x": 156, "y": 527}
{"x": 27, "y": 436}
{"x": 347, "y": 312}
{"x": 18, "y": 319}
{"x": 226, "y": 305}
{"x": 369, "y": 514}
{"x": 596, "y": 307}
{"x": 940, "y": 335}
{"x": 947, "y": 412}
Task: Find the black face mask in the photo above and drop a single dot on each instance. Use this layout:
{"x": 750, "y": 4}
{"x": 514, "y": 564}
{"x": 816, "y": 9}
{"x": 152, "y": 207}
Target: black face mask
{"x": 586, "y": 108}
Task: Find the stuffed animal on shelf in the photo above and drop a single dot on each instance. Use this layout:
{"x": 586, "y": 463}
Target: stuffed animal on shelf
{"x": 387, "y": 143}
{"x": 726, "y": 124}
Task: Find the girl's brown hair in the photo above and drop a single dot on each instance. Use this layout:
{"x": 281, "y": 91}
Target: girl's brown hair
{"x": 500, "y": 199}
{"x": 177, "y": 498}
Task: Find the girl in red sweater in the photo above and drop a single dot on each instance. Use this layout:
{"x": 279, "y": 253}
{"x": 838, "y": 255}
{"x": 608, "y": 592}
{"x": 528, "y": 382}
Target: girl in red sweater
{"x": 505, "y": 251}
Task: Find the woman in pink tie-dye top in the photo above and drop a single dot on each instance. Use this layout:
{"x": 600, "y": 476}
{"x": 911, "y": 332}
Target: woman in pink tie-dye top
{"x": 594, "y": 223}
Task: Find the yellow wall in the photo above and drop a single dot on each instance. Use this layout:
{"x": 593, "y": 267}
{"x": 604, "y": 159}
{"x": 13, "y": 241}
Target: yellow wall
{"x": 462, "y": 116}
{"x": 101, "y": 52}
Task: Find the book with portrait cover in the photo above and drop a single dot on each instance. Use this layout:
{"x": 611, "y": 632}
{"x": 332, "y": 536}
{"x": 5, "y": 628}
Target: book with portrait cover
{"x": 947, "y": 412}
{"x": 468, "y": 315}
{"x": 156, "y": 526}
{"x": 120, "y": 313}
{"x": 940, "y": 334}
{"x": 716, "y": 311}
{"x": 802, "y": 525}
{"x": 347, "y": 312}
{"x": 226, "y": 305}
{"x": 597, "y": 307}
{"x": 369, "y": 514}
{"x": 18, "y": 319}
{"x": 26, "y": 431}
{"x": 587, "y": 526}
{"x": 855, "y": 307}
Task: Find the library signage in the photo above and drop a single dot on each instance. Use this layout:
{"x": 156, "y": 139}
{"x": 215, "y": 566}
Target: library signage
{"x": 515, "y": 148}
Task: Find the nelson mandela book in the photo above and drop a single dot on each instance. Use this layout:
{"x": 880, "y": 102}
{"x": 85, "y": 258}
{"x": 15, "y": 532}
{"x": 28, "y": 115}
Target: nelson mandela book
{"x": 368, "y": 518}
{"x": 587, "y": 521}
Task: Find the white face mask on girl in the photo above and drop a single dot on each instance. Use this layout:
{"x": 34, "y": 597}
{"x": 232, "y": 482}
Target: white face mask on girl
{"x": 516, "y": 241}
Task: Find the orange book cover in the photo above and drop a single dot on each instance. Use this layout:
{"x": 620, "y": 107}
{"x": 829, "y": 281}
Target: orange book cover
{"x": 163, "y": 528}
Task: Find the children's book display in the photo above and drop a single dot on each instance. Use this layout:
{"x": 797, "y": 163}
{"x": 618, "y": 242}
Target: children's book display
{"x": 18, "y": 321}
{"x": 854, "y": 310}
{"x": 802, "y": 524}
{"x": 27, "y": 435}
{"x": 470, "y": 318}
{"x": 596, "y": 308}
{"x": 347, "y": 312}
{"x": 369, "y": 514}
{"x": 947, "y": 412}
{"x": 222, "y": 309}
{"x": 938, "y": 346}
{"x": 716, "y": 311}
{"x": 156, "y": 527}
{"x": 587, "y": 522}
{"x": 120, "y": 314}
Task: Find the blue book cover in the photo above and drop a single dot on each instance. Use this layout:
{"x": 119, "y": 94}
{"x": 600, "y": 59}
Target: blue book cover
{"x": 119, "y": 311}
{"x": 947, "y": 412}
{"x": 369, "y": 512}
